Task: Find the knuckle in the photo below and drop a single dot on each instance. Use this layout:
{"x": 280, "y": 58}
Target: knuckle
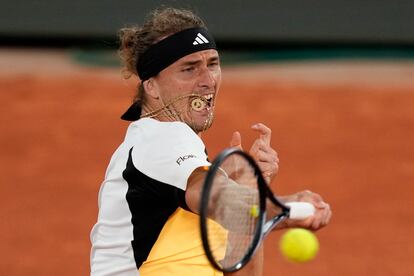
{"x": 305, "y": 193}
{"x": 260, "y": 154}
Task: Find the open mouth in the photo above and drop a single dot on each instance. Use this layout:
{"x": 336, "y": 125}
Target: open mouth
{"x": 200, "y": 103}
{"x": 209, "y": 99}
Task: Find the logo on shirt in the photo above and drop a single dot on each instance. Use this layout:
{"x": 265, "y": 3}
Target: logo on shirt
{"x": 181, "y": 159}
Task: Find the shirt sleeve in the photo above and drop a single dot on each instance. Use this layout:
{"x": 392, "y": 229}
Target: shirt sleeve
{"x": 169, "y": 152}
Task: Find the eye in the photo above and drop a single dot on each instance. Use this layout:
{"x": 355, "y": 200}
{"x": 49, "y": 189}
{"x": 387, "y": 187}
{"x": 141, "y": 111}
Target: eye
{"x": 188, "y": 69}
{"x": 214, "y": 64}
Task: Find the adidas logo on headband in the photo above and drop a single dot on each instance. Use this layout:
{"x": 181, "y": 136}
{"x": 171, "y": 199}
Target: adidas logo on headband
{"x": 200, "y": 39}
{"x": 170, "y": 49}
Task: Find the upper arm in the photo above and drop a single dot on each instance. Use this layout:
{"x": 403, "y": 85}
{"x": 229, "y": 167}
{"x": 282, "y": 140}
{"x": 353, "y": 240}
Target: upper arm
{"x": 194, "y": 186}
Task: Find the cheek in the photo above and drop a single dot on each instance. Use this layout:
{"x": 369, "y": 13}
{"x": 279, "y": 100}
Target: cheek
{"x": 183, "y": 88}
{"x": 174, "y": 87}
{"x": 217, "y": 77}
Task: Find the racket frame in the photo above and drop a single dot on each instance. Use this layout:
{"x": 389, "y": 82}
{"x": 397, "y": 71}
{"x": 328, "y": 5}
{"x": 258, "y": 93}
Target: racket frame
{"x": 263, "y": 227}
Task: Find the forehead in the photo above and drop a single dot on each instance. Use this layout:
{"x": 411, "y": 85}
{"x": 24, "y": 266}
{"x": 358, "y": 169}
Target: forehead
{"x": 198, "y": 56}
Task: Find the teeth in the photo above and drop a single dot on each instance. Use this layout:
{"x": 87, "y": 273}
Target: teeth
{"x": 208, "y": 97}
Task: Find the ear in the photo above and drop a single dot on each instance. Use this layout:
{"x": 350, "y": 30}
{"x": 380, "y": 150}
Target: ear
{"x": 151, "y": 88}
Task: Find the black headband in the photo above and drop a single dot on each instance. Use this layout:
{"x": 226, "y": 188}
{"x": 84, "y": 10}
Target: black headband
{"x": 167, "y": 51}
{"x": 164, "y": 53}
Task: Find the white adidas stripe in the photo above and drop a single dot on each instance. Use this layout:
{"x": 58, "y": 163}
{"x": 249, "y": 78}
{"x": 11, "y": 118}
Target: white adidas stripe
{"x": 200, "y": 39}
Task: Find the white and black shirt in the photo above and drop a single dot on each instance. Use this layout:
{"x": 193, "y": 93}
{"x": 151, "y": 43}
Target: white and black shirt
{"x": 144, "y": 185}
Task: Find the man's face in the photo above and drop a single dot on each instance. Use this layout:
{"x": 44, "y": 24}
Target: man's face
{"x": 198, "y": 73}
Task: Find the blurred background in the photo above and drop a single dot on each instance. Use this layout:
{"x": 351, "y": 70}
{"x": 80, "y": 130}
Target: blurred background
{"x": 287, "y": 22}
{"x": 333, "y": 79}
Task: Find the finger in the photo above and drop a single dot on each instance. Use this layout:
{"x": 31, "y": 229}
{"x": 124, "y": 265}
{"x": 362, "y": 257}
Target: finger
{"x": 258, "y": 145}
{"x": 236, "y": 140}
{"x": 318, "y": 201}
{"x": 316, "y": 224}
{"x": 265, "y": 132}
{"x": 306, "y": 223}
{"x": 314, "y": 198}
{"x": 266, "y": 167}
{"x": 255, "y": 148}
{"x": 268, "y": 170}
{"x": 322, "y": 217}
{"x": 263, "y": 156}
{"x": 266, "y": 156}
{"x": 327, "y": 215}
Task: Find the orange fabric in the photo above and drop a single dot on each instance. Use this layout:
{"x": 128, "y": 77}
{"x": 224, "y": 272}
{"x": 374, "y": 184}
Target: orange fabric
{"x": 179, "y": 250}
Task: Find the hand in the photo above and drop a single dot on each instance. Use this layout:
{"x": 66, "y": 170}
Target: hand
{"x": 322, "y": 214}
{"x": 261, "y": 151}
{"x": 265, "y": 156}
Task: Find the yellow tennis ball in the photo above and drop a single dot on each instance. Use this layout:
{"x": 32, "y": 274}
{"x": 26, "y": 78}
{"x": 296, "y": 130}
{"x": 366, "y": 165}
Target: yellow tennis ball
{"x": 254, "y": 211}
{"x": 299, "y": 245}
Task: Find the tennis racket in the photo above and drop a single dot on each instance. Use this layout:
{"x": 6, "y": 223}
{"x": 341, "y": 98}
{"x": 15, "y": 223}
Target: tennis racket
{"x": 233, "y": 217}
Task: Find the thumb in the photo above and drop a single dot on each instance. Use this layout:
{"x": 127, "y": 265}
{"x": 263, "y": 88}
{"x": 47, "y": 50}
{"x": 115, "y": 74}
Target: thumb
{"x": 236, "y": 140}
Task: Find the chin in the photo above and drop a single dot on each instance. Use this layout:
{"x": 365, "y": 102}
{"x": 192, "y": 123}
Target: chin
{"x": 201, "y": 124}
{"x": 206, "y": 124}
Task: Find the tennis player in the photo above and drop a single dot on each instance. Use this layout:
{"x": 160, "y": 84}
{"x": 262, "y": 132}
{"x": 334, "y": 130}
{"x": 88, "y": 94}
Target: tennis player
{"x": 147, "y": 222}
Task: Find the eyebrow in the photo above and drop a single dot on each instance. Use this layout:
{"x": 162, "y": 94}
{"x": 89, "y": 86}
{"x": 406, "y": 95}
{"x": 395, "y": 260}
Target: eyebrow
{"x": 195, "y": 62}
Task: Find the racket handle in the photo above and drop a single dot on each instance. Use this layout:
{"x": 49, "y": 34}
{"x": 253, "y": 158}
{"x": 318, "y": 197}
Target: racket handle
{"x": 300, "y": 210}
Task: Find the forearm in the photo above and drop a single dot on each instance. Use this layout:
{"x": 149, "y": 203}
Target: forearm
{"x": 253, "y": 268}
{"x": 222, "y": 186}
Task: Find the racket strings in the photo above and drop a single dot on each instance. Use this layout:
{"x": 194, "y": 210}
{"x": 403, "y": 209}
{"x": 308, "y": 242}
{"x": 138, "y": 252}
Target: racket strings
{"x": 235, "y": 210}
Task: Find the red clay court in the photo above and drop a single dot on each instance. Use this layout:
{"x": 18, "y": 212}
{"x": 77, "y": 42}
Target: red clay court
{"x": 342, "y": 128}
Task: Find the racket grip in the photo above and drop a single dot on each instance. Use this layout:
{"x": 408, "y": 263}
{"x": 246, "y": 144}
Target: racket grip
{"x": 300, "y": 210}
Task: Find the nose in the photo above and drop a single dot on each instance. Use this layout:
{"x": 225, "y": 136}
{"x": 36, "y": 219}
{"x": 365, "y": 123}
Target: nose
{"x": 206, "y": 79}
